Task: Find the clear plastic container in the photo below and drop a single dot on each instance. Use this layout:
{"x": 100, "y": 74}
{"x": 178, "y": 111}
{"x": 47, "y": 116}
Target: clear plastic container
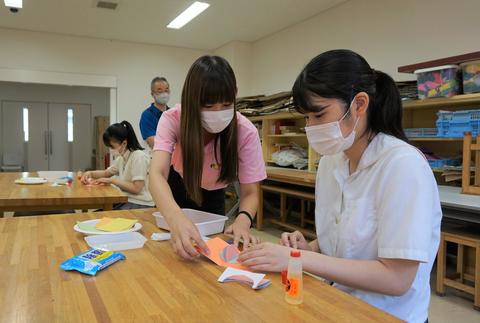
{"x": 207, "y": 223}
{"x": 294, "y": 290}
{"x": 441, "y": 81}
{"x": 471, "y": 76}
{"x": 117, "y": 242}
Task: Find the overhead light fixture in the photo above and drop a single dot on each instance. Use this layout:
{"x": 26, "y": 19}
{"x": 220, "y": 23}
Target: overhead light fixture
{"x": 191, "y": 12}
{"x": 13, "y": 3}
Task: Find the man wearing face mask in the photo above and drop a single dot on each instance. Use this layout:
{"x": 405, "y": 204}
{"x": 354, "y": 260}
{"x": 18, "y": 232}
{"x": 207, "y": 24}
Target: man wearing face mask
{"x": 160, "y": 91}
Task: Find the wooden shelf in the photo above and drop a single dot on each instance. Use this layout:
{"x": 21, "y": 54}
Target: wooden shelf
{"x": 278, "y": 116}
{"x": 439, "y": 62}
{"x": 299, "y": 135}
{"x": 435, "y": 139}
{"x": 460, "y": 100}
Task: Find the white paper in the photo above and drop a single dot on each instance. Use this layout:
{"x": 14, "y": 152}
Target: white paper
{"x": 229, "y": 272}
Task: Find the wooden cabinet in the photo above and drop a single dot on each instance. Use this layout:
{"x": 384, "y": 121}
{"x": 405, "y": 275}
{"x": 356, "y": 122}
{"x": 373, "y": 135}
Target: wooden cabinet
{"x": 270, "y": 138}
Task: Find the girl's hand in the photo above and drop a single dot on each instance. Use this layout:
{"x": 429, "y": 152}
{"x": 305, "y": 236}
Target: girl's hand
{"x": 295, "y": 240}
{"x": 266, "y": 257}
{"x": 104, "y": 180}
{"x": 185, "y": 236}
{"x": 86, "y": 178}
{"x": 241, "y": 230}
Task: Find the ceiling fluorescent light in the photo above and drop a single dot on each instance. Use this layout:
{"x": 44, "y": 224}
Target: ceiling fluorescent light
{"x": 191, "y": 12}
{"x": 13, "y": 3}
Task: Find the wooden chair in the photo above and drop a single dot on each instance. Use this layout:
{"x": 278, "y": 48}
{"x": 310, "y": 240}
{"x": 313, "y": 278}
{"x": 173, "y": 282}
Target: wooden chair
{"x": 458, "y": 280}
{"x": 471, "y": 149}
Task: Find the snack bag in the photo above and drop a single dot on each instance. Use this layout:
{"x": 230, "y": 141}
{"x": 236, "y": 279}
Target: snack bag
{"x": 92, "y": 261}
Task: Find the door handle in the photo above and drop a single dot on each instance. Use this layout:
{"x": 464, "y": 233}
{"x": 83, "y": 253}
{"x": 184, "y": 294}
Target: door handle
{"x": 51, "y": 145}
{"x": 45, "y": 142}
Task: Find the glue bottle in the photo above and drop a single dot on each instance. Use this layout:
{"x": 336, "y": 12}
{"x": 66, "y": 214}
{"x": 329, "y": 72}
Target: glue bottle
{"x": 294, "y": 283}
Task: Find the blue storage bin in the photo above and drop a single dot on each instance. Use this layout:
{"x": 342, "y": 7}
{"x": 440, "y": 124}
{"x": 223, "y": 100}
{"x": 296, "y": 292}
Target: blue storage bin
{"x": 466, "y": 115}
{"x": 444, "y": 115}
{"x": 475, "y": 127}
{"x": 438, "y": 163}
{"x": 442, "y": 128}
{"x": 457, "y": 129}
{"x": 455, "y": 124}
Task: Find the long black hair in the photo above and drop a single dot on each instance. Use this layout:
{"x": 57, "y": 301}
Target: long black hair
{"x": 118, "y": 132}
{"x": 341, "y": 74}
{"x": 210, "y": 80}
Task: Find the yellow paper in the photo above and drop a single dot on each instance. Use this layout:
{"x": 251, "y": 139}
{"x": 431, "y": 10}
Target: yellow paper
{"x": 102, "y": 222}
{"x": 118, "y": 224}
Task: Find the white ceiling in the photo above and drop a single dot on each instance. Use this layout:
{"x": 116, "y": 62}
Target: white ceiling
{"x": 145, "y": 20}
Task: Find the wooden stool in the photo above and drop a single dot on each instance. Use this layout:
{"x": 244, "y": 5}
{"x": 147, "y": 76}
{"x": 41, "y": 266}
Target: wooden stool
{"x": 457, "y": 280}
{"x": 470, "y": 150}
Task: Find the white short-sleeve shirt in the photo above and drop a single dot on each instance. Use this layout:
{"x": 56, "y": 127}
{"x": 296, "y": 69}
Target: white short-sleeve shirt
{"x": 388, "y": 208}
{"x": 134, "y": 166}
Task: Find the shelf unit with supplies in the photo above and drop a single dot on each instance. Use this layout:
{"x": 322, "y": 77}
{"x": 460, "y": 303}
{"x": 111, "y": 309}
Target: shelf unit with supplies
{"x": 420, "y": 121}
{"x": 272, "y": 136}
{"x": 287, "y": 182}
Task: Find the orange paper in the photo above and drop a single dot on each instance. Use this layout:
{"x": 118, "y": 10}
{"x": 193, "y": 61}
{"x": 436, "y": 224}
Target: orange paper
{"x": 223, "y": 254}
{"x": 102, "y": 222}
{"x": 118, "y": 224}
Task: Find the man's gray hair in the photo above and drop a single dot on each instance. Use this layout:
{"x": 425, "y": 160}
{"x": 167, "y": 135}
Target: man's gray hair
{"x": 157, "y": 79}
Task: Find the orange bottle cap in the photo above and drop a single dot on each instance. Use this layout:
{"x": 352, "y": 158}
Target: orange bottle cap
{"x": 295, "y": 253}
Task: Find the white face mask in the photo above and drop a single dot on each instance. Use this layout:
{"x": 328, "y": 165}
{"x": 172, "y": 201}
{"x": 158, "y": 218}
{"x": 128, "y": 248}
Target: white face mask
{"x": 327, "y": 139}
{"x": 118, "y": 152}
{"x": 217, "y": 121}
{"x": 162, "y": 98}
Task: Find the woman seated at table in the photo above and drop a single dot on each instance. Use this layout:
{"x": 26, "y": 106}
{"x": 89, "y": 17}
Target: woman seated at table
{"x": 377, "y": 209}
{"x": 129, "y": 170}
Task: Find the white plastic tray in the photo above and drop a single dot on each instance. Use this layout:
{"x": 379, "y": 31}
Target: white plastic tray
{"x": 31, "y": 180}
{"x": 117, "y": 242}
{"x": 207, "y": 223}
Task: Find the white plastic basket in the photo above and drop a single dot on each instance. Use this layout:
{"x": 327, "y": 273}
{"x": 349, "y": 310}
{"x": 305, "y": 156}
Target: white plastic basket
{"x": 116, "y": 242}
{"x": 207, "y": 223}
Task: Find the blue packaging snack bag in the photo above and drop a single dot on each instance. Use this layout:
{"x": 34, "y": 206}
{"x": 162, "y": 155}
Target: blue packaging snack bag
{"x": 92, "y": 261}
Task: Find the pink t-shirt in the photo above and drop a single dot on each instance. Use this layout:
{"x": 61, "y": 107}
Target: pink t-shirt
{"x": 251, "y": 167}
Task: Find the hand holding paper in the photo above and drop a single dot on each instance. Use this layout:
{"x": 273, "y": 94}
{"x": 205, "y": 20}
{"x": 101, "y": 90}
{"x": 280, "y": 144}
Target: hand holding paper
{"x": 222, "y": 253}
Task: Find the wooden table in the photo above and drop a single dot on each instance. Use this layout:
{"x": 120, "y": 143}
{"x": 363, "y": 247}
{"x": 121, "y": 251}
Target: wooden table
{"x": 45, "y": 197}
{"x": 151, "y": 285}
{"x": 291, "y": 176}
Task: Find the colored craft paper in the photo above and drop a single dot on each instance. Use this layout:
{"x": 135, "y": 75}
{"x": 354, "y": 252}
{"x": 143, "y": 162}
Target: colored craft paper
{"x": 223, "y": 254}
{"x": 117, "y": 224}
{"x": 87, "y": 227}
{"x": 102, "y": 222}
{"x": 255, "y": 280}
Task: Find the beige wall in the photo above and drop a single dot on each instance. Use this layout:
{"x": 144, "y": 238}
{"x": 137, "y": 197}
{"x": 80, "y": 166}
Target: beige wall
{"x": 387, "y": 33}
{"x": 134, "y": 65}
{"x": 239, "y": 55}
